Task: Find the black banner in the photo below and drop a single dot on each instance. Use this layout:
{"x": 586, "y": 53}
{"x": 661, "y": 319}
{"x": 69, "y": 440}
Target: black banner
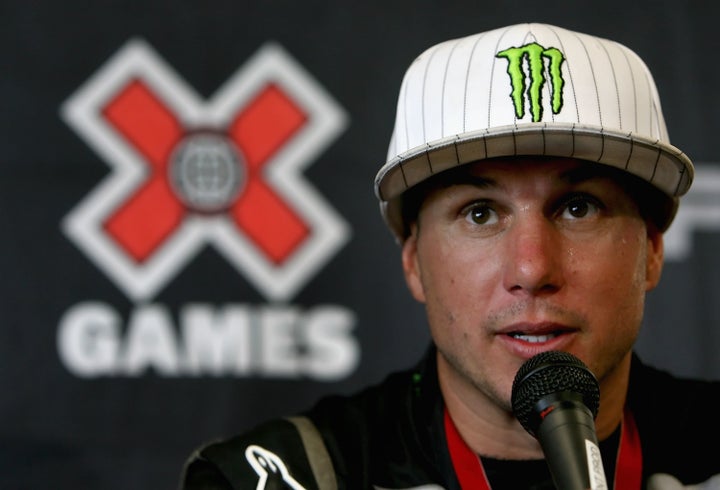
{"x": 155, "y": 297}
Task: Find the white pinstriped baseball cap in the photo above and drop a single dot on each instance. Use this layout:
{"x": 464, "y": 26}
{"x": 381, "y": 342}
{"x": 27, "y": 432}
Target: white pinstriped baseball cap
{"x": 528, "y": 89}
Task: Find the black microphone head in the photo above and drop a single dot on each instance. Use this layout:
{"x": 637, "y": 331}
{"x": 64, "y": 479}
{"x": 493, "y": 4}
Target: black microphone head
{"x": 548, "y": 373}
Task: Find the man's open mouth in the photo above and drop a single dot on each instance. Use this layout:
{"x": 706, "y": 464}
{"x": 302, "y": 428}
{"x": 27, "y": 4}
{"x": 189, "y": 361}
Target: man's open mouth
{"x": 534, "y": 339}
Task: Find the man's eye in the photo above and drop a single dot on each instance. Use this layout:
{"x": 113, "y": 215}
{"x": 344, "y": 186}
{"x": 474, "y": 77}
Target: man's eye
{"x": 580, "y": 207}
{"x": 481, "y": 214}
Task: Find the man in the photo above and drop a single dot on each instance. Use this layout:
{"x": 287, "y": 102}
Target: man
{"x": 529, "y": 182}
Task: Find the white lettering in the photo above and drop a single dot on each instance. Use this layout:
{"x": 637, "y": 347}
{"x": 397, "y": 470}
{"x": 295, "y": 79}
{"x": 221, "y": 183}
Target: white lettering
{"x": 88, "y": 339}
{"x": 699, "y": 210}
{"x": 277, "y": 341}
{"x": 216, "y": 342}
{"x": 279, "y": 346}
{"x": 595, "y": 466}
{"x": 334, "y": 351}
{"x": 150, "y": 342}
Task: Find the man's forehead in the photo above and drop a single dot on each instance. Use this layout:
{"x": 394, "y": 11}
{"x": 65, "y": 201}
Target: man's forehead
{"x": 569, "y": 170}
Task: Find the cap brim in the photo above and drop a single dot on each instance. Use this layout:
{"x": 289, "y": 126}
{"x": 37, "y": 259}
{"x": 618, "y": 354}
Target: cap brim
{"x": 660, "y": 164}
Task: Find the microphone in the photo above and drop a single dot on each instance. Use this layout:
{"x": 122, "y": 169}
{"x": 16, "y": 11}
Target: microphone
{"x": 556, "y": 397}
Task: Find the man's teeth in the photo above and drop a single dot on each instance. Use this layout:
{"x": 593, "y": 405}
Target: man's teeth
{"x": 534, "y": 338}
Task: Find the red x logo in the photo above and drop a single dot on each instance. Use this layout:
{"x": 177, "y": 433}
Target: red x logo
{"x": 224, "y": 172}
{"x": 154, "y": 212}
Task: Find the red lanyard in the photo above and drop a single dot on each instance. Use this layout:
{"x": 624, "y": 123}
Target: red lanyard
{"x": 470, "y": 472}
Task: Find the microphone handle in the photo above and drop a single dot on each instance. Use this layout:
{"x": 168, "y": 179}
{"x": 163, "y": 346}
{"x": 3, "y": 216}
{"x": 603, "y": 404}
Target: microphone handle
{"x": 569, "y": 442}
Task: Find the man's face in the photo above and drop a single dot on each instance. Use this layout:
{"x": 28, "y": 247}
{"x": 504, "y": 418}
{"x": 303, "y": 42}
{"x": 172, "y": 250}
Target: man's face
{"x": 524, "y": 256}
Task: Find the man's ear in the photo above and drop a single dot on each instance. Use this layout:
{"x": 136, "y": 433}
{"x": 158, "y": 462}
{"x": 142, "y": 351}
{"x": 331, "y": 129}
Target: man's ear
{"x": 655, "y": 254}
{"x": 411, "y": 266}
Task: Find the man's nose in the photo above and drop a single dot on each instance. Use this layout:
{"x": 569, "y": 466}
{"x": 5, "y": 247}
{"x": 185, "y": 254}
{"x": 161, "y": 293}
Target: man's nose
{"x": 533, "y": 256}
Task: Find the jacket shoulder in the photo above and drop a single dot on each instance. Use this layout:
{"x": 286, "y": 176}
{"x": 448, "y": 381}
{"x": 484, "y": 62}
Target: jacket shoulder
{"x": 282, "y": 453}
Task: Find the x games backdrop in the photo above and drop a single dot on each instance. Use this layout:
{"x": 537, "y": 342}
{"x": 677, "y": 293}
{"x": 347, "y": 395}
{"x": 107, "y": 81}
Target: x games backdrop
{"x": 191, "y": 243}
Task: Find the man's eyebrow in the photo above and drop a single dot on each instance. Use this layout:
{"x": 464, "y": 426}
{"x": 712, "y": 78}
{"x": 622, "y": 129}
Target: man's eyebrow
{"x": 478, "y": 181}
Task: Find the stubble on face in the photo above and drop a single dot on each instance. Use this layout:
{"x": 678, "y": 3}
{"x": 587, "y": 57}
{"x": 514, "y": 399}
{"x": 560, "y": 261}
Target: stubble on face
{"x": 464, "y": 332}
{"x": 491, "y": 381}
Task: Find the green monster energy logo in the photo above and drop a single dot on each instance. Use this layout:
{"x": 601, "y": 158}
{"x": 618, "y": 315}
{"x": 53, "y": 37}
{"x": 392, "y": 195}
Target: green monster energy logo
{"x": 535, "y": 55}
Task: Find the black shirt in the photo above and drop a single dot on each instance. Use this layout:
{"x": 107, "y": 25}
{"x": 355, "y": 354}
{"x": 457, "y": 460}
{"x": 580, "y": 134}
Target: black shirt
{"x": 391, "y": 436}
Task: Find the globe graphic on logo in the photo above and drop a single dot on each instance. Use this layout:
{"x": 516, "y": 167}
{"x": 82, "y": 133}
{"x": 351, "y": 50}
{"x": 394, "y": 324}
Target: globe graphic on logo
{"x": 206, "y": 172}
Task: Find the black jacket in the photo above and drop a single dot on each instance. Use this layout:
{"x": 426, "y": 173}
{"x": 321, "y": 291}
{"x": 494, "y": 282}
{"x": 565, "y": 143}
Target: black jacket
{"x": 391, "y": 436}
